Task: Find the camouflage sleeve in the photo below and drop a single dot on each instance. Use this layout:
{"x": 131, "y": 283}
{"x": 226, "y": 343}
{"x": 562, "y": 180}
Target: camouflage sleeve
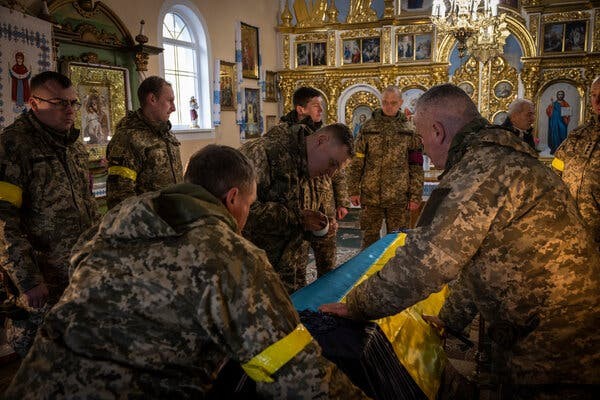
{"x": 355, "y": 169}
{"x": 453, "y": 225}
{"x": 124, "y": 163}
{"x": 415, "y": 166}
{"x": 252, "y": 313}
{"x": 340, "y": 190}
{"x": 280, "y": 215}
{"x": 16, "y": 254}
{"x": 560, "y": 155}
{"x": 459, "y": 309}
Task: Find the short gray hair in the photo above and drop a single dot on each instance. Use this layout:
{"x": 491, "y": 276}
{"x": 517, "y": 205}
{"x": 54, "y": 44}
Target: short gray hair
{"x": 451, "y": 102}
{"x": 517, "y": 105}
{"x": 392, "y": 89}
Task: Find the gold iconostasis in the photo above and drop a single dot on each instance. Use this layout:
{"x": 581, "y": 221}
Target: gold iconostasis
{"x": 549, "y": 49}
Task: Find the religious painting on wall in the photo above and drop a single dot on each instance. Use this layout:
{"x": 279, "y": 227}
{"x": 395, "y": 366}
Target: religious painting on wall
{"x": 271, "y": 86}
{"x": 499, "y": 117}
{"x": 503, "y": 89}
{"x": 25, "y": 50}
{"x": 303, "y": 54}
{"x": 414, "y": 47}
{"x": 558, "y": 113}
{"x": 252, "y": 113}
{"x": 103, "y": 93}
{"x": 370, "y": 50}
{"x": 416, "y": 5}
{"x": 250, "y": 51}
{"x": 360, "y": 115}
{"x": 409, "y": 101}
{"x": 318, "y": 54}
{"x": 227, "y": 86}
{"x": 467, "y": 87}
{"x": 352, "y": 53}
{"x": 565, "y": 37}
{"x": 311, "y": 54}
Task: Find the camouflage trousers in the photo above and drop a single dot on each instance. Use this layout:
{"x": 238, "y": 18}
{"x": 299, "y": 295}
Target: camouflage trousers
{"x": 396, "y": 218}
{"x": 291, "y": 267}
{"x": 325, "y": 251}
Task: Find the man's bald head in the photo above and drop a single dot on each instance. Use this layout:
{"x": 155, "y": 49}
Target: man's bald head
{"x": 440, "y": 114}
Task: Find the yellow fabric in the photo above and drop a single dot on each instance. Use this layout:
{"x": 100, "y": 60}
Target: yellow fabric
{"x": 417, "y": 346}
{"x": 558, "y": 164}
{"x": 11, "y": 193}
{"x": 123, "y": 172}
{"x": 359, "y": 155}
{"x": 265, "y": 364}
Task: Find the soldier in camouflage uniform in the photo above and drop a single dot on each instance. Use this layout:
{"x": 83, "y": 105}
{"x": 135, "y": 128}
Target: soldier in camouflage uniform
{"x": 45, "y": 201}
{"x": 167, "y": 292}
{"x": 503, "y": 230}
{"x": 577, "y": 160}
{"x": 143, "y": 155}
{"x": 386, "y": 174}
{"x": 278, "y": 220}
{"x": 325, "y": 194}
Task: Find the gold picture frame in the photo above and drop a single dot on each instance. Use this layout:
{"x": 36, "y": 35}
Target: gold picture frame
{"x": 250, "y": 51}
{"x": 104, "y": 95}
{"x": 227, "y": 78}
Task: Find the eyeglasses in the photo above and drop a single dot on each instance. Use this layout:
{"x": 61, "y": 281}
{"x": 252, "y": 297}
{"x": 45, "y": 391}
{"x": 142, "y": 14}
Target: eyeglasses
{"x": 62, "y": 103}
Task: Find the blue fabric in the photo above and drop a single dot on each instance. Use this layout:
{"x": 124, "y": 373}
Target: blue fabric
{"x": 333, "y": 286}
{"x": 557, "y": 129}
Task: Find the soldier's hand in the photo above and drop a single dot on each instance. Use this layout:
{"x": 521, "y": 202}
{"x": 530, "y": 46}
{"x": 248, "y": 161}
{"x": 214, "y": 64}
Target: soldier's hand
{"x": 333, "y": 225}
{"x": 37, "y": 296}
{"x": 413, "y": 205}
{"x": 313, "y": 220}
{"x": 339, "y": 309}
{"x": 355, "y": 200}
{"x": 341, "y": 212}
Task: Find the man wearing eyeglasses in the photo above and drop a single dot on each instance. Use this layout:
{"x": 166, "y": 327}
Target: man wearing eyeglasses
{"x": 45, "y": 202}
{"x": 143, "y": 156}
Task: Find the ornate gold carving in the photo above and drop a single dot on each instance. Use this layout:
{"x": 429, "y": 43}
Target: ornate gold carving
{"x": 501, "y": 73}
{"x": 565, "y": 16}
{"x": 360, "y": 33}
{"x": 89, "y": 33}
{"x": 530, "y": 75}
{"x": 86, "y": 8}
{"x": 286, "y": 51}
{"x": 573, "y": 74}
{"x": 388, "y": 9}
{"x": 359, "y": 99}
{"x": 331, "y": 48}
{"x": 286, "y": 16}
{"x": 312, "y": 37}
{"x": 361, "y": 11}
{"x": 596, "y": 40}
{"x": 386, "y": 44}
{"x": 534, "y": 26}
{"x": 468, "y": 73}
{"x": 427, "y": 28}
{"x": 311, "y": 14}
{"x": 141, "y": 61}
{"x": 332, "y": 13}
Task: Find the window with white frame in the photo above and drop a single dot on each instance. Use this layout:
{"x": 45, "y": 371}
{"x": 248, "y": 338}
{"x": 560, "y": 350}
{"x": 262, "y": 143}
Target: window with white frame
{"x": 185, "y": 65}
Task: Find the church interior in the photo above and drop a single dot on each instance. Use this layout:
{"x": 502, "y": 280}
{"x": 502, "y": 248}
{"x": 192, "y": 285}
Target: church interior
{"x": 235, "y": 65}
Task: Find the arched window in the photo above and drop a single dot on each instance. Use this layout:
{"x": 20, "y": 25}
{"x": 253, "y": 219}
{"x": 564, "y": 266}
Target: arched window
{"x": 184, "y": 64}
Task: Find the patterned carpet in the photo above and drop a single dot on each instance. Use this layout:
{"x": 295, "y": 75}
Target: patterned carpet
{"x": 348, "y": 243}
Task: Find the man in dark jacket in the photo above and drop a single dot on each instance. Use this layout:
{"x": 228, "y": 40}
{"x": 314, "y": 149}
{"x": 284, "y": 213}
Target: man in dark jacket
{"x": 521, "y": 115}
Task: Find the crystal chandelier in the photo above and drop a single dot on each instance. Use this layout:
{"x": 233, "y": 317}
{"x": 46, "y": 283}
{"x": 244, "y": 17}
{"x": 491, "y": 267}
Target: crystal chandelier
{"x": 477, "y": 27}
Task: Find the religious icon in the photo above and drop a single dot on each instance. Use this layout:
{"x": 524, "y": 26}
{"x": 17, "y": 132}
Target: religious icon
{"x": 351, "y": 51}
{"x": 94, "y": 118}
{"x": 250, "y": 51}
{"x": 559, "y": 115}
{"x": 193, "y": 113}
{"x": 370, "y": 50}
{"x": 20, "y": 75}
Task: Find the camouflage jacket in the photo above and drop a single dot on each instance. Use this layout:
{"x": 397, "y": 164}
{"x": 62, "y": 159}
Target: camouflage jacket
{"x": 578, "y": 162}
{"x": 45, "y": 202}
{"x": 160, "y": 297}
{"x": 323, "y": 192}
{"x": 275, "y": 220}
{"x": 387, "y": 169}
{"x": 142, "y": 157}
{"x": 504, "y": 229}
